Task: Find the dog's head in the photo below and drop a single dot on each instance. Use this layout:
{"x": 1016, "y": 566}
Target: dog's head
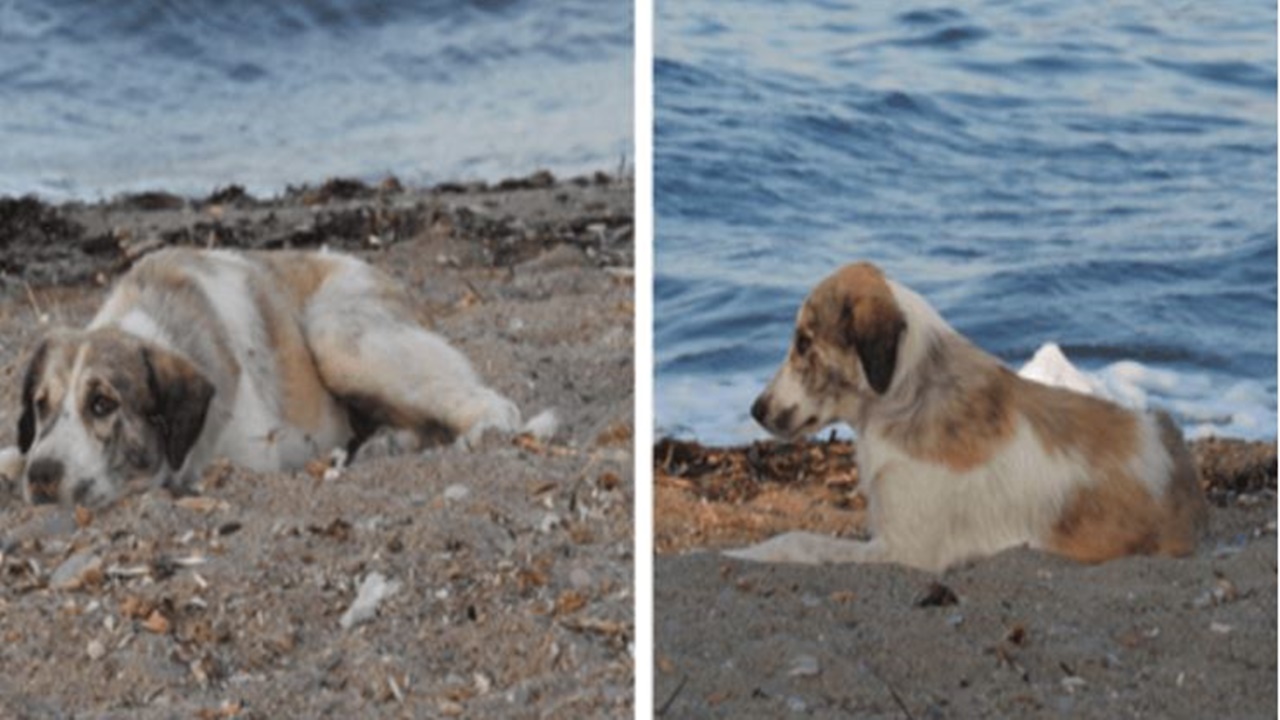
{"x": 102, "y": 412}
{"x": 845, "y": 350}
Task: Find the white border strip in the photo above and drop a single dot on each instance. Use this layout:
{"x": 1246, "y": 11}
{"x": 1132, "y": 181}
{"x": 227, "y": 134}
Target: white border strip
{"x": 643, "y": 448}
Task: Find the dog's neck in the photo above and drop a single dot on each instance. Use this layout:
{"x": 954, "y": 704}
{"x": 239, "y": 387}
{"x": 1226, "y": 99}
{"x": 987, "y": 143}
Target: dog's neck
{"x": 936, "y": 369}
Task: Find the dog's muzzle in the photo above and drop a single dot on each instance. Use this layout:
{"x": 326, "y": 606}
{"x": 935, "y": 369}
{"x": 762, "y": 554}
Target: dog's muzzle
{"x": 781, "y": 423}
{"x": 44, "y": 479}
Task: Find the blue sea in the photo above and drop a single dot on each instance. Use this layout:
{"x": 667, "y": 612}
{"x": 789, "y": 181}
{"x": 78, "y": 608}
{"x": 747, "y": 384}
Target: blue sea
{"x": 100, "y": 98}
{"x": 1100, "y": 175}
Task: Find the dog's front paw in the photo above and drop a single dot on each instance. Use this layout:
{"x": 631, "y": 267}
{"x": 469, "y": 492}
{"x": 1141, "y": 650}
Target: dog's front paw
{"x": 385, "y": 443}
{"x": 12, "y": 464}
{"x": 807, "y": 548}
{"x": 496, "y": 413}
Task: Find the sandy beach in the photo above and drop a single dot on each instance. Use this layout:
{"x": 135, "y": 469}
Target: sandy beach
{"x": 1023, "y": 634}
{"x": 511, "y": 565}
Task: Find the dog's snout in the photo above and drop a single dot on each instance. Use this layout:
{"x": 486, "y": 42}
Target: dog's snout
{"x": 43, "y": 478}
{"x": 760, "y": 409}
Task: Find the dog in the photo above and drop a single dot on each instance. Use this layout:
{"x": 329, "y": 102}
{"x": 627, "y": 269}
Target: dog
{"x": 958, "y": 457}
{"x": 266, "y": 359}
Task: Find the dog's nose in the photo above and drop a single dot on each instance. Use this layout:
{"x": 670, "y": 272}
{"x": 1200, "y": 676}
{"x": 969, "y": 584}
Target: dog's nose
{"x": 43, "y": 478}
{"x": 760, "y": 409}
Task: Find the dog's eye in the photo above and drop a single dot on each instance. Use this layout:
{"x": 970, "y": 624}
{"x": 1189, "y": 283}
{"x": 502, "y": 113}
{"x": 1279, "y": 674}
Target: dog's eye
{"x": 802, "y": 343}
{"x": 101, "y": 406}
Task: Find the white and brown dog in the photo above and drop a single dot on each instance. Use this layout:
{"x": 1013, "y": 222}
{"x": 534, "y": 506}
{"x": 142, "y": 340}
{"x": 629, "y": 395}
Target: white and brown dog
{"x": 960, "y": 458}
{"x": 266, "y": 359}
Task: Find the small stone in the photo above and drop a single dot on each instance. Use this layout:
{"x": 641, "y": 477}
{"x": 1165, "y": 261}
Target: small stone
{"x": 1073, "y": 682}
{"x": 373, "y": 591}
{"x": 76, "y": 571}
{"x": 96, "y": 650}
{"x": 579, "y": 578}
{"x": 1220, "y": 628}
{"x": 156, "y": 623}
{"x": 549, "y": 522}
{"x": 456, "y": 492}
{"x": 804, "y": 666}
{"x": 797, "y": 705}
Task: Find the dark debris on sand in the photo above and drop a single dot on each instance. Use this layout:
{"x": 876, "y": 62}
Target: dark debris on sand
{"x": 1228, "y": 468}
{"x": 47, "y": 245}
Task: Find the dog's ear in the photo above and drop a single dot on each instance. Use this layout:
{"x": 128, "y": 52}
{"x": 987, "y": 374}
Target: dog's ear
{"x": 873, "y": 325}
{"x": 180, "y": 397}
{"x": 27, "y": 421}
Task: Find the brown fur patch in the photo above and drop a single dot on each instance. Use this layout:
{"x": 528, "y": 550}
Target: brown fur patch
{"x": 961, "y": 404}
{"x": 303, "y": 397}
{"x": 1102, "y": 432}
{"x": 855, "y": 308}
{"x": 161, "y": 285}
{"x": 1114, "y": 517}
{"x": 1117, "y": 515}
{"x": 299, "y": 274}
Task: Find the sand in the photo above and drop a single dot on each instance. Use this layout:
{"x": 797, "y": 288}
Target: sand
{"x": 507, "y": 571}
{"x": 1022, "y": 634}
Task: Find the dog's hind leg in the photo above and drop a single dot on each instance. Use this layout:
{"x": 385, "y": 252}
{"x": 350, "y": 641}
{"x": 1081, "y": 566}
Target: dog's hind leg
{"x": 811, "y": 549}
{"x": 373, "y": 353}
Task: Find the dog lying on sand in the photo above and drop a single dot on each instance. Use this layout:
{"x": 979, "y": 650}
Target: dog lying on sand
{"x": 960, "y": 458}
{"x": 267, "y": 359}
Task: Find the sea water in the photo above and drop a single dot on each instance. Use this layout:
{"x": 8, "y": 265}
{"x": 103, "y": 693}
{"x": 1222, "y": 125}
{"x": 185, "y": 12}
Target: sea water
{"x": 98, "y": 98}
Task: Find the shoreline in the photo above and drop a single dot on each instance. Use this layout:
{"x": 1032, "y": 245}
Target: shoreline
{"x": 75, "y": 242}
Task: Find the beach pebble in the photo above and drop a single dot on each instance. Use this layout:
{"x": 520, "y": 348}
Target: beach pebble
{"x": 456, "y": 492}
{"x": 96, "y": 650}
{"x": 804, "y": 666}
{"x": 76, "y": 570}
{"x": 579, "y": 578}
{"x": 1073, "y": 682}
{"x": 373, "y": 591}
{"x": 549, "y": 522}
